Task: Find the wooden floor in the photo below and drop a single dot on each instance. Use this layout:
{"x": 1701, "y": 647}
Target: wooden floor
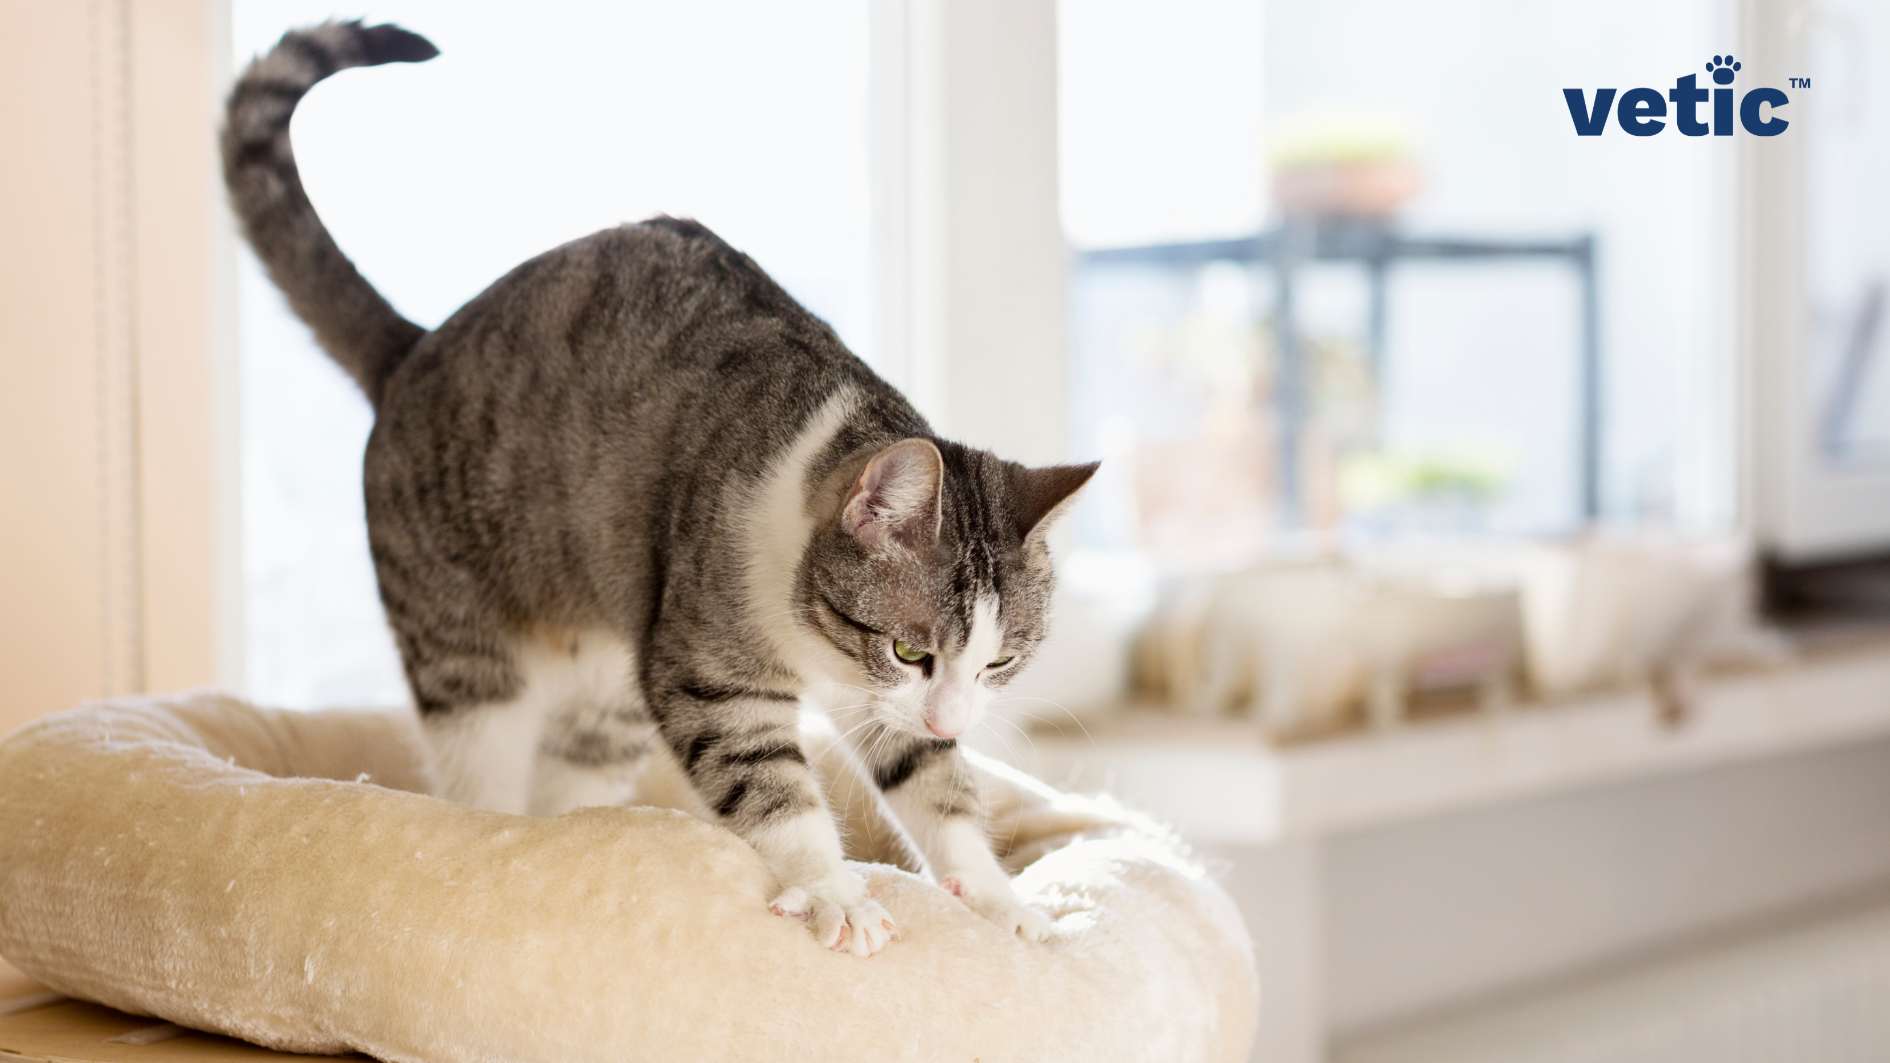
{"x": 41, "y": 1027}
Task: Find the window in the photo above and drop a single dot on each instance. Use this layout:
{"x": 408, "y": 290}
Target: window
{"x": 1848, "y": 268}
{"x": 1257, "y": 404}
{"x": 533, "y": 127}
{"x": 1824, "y": 464}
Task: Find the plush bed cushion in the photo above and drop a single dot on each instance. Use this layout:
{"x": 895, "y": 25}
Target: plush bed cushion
{"x": 282, "y": 877}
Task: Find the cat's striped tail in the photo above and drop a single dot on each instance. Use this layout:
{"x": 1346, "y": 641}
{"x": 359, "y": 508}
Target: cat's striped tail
{"x": 350, "y": 319}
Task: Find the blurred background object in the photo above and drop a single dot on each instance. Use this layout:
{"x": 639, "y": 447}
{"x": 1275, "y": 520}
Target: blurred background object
{"x": 1491, "y": 560}
{"x": 1342, "y": 166}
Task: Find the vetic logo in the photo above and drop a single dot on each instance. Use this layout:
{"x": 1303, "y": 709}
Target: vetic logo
{"x": 1643, "y": 112}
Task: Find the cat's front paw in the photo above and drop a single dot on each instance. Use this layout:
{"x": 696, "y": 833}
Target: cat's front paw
{"x": 838, "y": 911}
{"x": 1000, "y": 905}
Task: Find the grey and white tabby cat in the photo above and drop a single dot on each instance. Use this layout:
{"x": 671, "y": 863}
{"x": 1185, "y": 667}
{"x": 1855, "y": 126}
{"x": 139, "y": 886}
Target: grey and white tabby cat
{"x": 633, "y": 492}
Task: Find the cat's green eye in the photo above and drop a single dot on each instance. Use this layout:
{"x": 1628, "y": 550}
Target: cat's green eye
{"x": 1001, "y": 662}
{"x": 908, "y": 653}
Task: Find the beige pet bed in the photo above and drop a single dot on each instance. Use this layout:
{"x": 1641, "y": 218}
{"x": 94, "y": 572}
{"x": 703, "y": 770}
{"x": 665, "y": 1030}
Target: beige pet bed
{"x": 280, "y": 877}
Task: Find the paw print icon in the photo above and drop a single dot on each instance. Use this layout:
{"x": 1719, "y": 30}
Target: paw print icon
{"x": 1723, "y": 67}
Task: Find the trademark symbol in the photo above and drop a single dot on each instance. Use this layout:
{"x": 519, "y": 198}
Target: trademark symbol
{"x": 1801, "y": 83}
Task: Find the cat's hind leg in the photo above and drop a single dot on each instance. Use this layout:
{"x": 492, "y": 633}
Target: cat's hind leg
{"x": 598, "y": 739}
{"x": 483, "y": 754}
{"x": 481, "y": 721}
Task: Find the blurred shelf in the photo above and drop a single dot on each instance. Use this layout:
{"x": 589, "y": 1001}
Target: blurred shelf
{"x": 1218, "y": 782}
{"x": 1379, "y": 245}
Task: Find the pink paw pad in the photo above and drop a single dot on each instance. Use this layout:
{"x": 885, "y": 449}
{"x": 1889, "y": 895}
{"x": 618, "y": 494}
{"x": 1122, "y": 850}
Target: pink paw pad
{"x": 953, "y": 886}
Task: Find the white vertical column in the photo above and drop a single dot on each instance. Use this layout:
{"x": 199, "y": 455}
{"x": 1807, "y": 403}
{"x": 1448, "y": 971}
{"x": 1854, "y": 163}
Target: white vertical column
{"x": 972, "y": 304}
{"x": 1771, "y": 297}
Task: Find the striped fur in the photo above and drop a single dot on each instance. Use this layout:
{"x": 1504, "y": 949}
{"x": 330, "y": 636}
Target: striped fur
{"x": 350, "y": 319}
{"x": 634, "y": 498}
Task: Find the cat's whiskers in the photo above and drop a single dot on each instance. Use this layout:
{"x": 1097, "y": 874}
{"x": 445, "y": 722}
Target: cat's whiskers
{"x": 864, "y": 760}
{"x": 1009, "y": 746}
{"x": 861, "y": 766}
{"x": 862, "y": 714}
{"x": 847, "y": 734}
{"x": 868, "y": 691}
{"x": 836, "y": 710}
{"x": 1021, "y": 733}
{"x": 1011, "y": 699}
{"x": 1012, "y": 750}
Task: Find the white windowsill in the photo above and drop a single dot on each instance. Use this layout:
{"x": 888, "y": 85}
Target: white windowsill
{"x": 1218, "y": 783}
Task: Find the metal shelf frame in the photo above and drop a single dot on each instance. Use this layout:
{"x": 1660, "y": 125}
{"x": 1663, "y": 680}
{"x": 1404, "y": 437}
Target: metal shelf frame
{"x": 1377, "y": 245}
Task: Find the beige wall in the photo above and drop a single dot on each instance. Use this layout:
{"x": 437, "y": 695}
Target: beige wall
{"x": 116, "y": 493}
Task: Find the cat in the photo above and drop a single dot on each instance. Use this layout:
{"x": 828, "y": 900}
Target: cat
{"x": 633, "y": 497}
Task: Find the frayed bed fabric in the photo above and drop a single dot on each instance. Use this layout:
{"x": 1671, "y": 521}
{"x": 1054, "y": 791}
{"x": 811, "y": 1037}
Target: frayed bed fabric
{"x": 282, "y": 877}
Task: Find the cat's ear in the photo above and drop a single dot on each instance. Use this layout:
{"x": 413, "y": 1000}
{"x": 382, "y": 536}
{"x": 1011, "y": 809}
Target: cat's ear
{"x": 1040, "y": 496}
{"x": 895, "y": 499}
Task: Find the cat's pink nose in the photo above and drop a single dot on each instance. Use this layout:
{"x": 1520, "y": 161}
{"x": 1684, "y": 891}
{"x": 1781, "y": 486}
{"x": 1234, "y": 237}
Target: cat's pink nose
{"x": 941, "y": 728}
